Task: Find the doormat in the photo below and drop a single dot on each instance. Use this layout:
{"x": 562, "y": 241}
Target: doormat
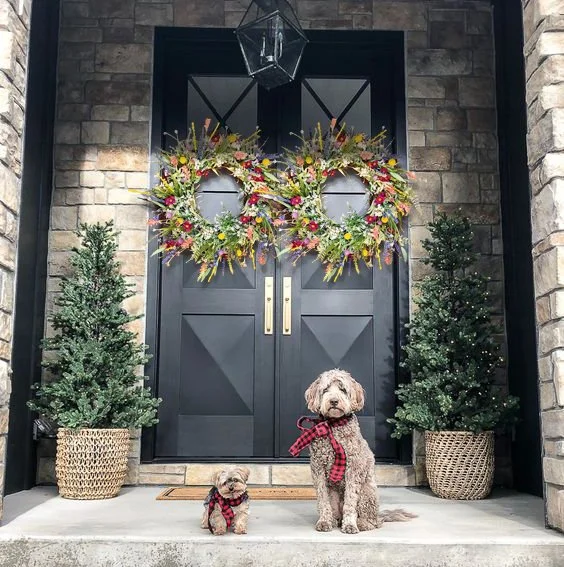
{"x": 257, "y": 493}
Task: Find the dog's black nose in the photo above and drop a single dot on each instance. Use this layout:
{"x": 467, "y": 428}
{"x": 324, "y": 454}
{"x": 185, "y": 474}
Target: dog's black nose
{"x": 333, "y": 402}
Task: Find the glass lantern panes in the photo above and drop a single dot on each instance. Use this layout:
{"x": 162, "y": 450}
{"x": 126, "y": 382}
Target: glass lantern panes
{"x": 272, "y": 42}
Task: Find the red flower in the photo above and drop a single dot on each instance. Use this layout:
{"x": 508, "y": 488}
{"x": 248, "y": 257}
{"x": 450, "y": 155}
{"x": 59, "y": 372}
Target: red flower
{"x": 248, "y": 164}
{"x": 187, "y": 226}
{"x": 215, "y": 138}
{"x": 297, "y": 244}
{"x": 253, "y": 199}
{"x": 295, "y": 201}
{"x": 257, "y": 177}
{"x": 370, "y": 219}
{"x": 341, "y": 138}
{"x": 372, "y": 164}
{"x": 325, "y": 173}
{"x": 380, "y": 198}
{"x": 170, "y": 200}
{"x": 205, "y": 172}
{"x": 244, "y": 219}
{"x": 199, "y": 173}
{"x": 170, "y": 244}
{"x": 313, "y": 226}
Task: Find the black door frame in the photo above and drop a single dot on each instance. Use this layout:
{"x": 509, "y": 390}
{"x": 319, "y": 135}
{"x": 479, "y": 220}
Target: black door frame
{"x": 520, "y": 320}
{"x": 33, "y": 239}
{"x": 164, "y": 39}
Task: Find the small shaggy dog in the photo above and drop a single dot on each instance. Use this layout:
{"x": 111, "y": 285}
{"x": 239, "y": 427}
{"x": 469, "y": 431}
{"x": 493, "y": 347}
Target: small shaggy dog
{"x": 227, "y": 502}
{"x": 342, "y": 464}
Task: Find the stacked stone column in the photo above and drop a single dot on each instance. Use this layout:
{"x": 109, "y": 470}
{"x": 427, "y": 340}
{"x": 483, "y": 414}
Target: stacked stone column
{"x": 544, "y": 53}
{"x": 14, "y": 32}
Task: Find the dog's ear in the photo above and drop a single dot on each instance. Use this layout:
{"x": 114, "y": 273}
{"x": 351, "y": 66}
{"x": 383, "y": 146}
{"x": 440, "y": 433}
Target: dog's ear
{"x": 215, "y": 477}
{"x": 312, "y": 396}
{"x": 244, "y": 472}
{"x": 357, "y": 396}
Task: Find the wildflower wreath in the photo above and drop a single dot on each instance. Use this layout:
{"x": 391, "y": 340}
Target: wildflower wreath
{"x": 229, "y": 238}
{"x": 358, "y": 236}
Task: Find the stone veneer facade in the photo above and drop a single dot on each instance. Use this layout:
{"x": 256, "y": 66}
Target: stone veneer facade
{"x": 102, "y": 140}
{"x": 544, "y": 53}
{"x": 14, "y": 34}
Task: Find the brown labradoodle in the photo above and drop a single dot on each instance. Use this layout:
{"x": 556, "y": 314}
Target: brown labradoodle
{"x": 353, "y": 501}
{"x": 227, "y": 502}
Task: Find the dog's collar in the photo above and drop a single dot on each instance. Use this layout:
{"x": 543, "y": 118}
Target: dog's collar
{"x": 329, "y": 420}
{"x": 229, "y": 501}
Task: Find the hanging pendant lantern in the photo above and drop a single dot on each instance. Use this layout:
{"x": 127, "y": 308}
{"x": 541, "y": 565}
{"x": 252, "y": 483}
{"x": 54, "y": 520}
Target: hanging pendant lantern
{"x": 272, "y": 42}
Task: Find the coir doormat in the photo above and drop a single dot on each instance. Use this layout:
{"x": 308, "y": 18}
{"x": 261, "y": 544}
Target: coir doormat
{"x": 258, "y": 493}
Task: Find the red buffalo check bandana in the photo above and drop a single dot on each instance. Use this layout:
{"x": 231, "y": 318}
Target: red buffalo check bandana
{"x": 323, "y": 428}
{"x": 225, "y": 504}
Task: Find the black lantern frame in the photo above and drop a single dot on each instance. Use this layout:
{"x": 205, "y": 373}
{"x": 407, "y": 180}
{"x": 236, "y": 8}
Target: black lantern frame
{"x": 272, "y": 42}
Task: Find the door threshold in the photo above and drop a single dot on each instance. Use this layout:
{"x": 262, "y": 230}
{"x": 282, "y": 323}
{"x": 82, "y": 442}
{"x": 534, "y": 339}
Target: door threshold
{"x": 273, "y": 474}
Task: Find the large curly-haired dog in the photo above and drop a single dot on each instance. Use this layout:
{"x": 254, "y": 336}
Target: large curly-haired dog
{"x": 351, "y": 502}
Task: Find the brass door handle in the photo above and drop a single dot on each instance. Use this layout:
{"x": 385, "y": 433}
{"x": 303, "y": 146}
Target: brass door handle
{"x": 268, "y": 305}
{"x": 287, "y": 306}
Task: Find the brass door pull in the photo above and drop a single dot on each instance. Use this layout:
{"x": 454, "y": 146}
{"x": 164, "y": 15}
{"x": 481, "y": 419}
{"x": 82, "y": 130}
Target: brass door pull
{"x": 268, "y": 305}
{"x": 287, "y": 306}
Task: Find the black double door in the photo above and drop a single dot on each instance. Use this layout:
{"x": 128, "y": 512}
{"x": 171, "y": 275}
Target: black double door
{"x": 236, "y": 355}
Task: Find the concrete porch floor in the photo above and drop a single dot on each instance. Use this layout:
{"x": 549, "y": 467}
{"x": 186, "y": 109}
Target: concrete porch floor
{"x": 135, "y": 530}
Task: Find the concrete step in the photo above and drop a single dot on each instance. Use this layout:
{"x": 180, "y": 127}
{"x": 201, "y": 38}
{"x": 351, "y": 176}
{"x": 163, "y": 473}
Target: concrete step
{"x": 135, "y": 530}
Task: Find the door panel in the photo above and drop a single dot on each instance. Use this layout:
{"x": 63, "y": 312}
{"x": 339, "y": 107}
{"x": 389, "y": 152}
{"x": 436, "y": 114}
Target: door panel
{"x": 351, "y": 323}
{"x": 216, "y": 365}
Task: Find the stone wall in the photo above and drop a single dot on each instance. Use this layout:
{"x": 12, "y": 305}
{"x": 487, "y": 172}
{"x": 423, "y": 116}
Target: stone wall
{"x": 14, "y": 27}
{"x": 102, "y": 130}
{"x": 544, "y": 52}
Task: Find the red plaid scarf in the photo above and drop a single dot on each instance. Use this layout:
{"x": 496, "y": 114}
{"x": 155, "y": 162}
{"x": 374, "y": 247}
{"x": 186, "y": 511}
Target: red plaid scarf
{"x": 323, "y": 428}
{"x": 225, "y": 504}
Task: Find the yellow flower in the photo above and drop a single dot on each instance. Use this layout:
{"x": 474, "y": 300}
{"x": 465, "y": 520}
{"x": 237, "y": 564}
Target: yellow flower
{"x": 183, "y": 160}
{"x": 365, "y": 253}
{"x": 221, "y": 236}
{"x": 392, "y": 162}
{"x": 348, "y": 236}
{"x": 358, "y": 138}
{"x": 305, "y": 221}
{"x": 266, "y": 162}
{"x": 309, "y": 160}
{"x": 384, "y": 220}
{"x": 258, "y": 220}
{"x": 239, "y": 253}
{"x": 232, "y": 138}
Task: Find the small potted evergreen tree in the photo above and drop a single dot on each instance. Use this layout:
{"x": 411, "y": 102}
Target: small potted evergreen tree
{"x": 93, "y": 392}
{"x": 452, "y": 356}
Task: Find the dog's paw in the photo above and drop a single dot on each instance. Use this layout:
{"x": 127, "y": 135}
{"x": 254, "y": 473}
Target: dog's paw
{"x": 219, "y": 531}
{"x": 239, "y": 531}
{"x": 349, "y": 529}
{"x": 324, "y": 526}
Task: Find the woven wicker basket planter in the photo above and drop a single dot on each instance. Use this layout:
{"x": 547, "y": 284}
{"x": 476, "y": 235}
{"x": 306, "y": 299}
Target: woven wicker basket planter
{"x": 91, "y": 463}
{"x": 460, "y": 465}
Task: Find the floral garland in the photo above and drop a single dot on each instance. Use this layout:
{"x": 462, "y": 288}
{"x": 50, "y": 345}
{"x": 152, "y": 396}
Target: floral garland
{"x": 358, "y": 237}
{"x": 228, "y": 239}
